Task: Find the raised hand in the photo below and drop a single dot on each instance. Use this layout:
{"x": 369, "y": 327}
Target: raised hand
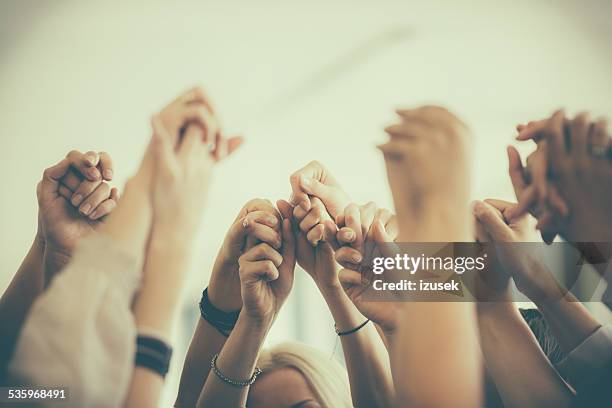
{"x": 194, "y": 107}
{"x": 314, "y": 180}
{"x": 578, "y": 159}
{"x": 313, "y": 253}
{"x": 428, "y": 163}
{"x": 512, "y": 259}
{"x": 266, "y": 276}
{"x": 257, "y": 222}
{"x": 60, "y": 223}
{"x": 366, "y": 230}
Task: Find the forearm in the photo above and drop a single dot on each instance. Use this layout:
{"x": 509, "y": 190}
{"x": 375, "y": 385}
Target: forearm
{"x": 17, "y": 299}
{"x": 437, "y": 340}
{"x": 166, "y": 264}
{"x": 569, "y": 321}
{"x": 129, "y": 224}
{"x": 365, "y": 354}
{"x": 522, "y": 374}
{"x": 237, "y": 361}
{"x": 155, "y": 310}
{"x": 206, "y": 342}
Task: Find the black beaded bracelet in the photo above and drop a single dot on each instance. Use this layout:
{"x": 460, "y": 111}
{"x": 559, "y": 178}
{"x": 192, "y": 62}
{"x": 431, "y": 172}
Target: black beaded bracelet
{"x": 351, "y": 331}
{"x": 153, "y": 354}
{"x": 224, "y": 322}
{"x": 227, "y": 380}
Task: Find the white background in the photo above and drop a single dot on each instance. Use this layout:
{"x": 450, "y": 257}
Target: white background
{"x": 300, "y": 80}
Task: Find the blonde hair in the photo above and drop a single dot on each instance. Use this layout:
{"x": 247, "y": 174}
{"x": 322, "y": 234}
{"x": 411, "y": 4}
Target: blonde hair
{"x": 325, "y": 376}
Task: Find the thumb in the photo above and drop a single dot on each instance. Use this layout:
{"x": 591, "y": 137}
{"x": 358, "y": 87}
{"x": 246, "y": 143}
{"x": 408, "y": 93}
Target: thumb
{"x": 288, "y": 250}
{"x": 163, "y": 150}
{"x": 385, "y": 243}
{"x": 316, "y": 188}
{"x": 493, "y": 221}
{"x": 51, "y": 178}
{"x": 285, "y": 209}
{"x": 349, "y": 278}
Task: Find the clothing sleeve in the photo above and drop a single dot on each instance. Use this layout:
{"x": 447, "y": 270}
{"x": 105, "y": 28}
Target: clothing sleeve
{"x": 590, "y": 360}
{"x": 80, "y": 333}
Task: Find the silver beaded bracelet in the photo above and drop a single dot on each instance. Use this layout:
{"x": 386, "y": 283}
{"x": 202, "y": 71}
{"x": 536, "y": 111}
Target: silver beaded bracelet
{"x": 227, "y": 380}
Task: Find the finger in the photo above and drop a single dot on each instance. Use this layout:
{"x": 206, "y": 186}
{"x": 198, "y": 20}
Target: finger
{"x": 352, "y": 218}
{"x": 72, "y": 180}
{"x": 516, "y": 171}
{"x": 104, "y": 209}
{"x": 406, "y": 131}
{"x": 532, "y": 130}
{"x": 196, "y": 95}
{"x": 224, "y": 148}
{"x": 298, "y": 197}
{"x": 191, "y": 143}
{"x": 548, "y": 235}
{"x": 555, "y": 134}
{"x": 539, "y": 171}
{"x": 85, "y": 164}
{"x": 367, "y": 212}
{"x": 346, "y": 235}
{"x": 163, "y": 150}
{"x": 600, "y": 140}
{"x": 253, "y": 272}
{"x": 83, "y": 191}
{"x": 289, "y": 248}
{"x": 263, "y": 252}
{"x": 200, "y": 115}
{"x": 312, "y": 218}
{"x": 52, "y": 176}
{"x": 285, "y": 208}
{"x": 317, "y": 189}
{"x": 387, "y": 247}
{"x": 349, "y": 278}
{"x": 493, "y": 222}
{"x": 256, "y": 231}
{"x": 106, "y": 166}
{"x": 330, "y": 234}
{"x": 555, "y": 200}
{"x": 234, "y": 143}
{"x": 64, "y": 192}
{"x": 316, "y": 234}
{"x": 501, "y": 205}
{"x": 388, "y": 220}
{"x": 100, "y": 194}
{"x": 348, "y": 257}
{"x": 527, "y": 201}
{"x": 580, "y": 128}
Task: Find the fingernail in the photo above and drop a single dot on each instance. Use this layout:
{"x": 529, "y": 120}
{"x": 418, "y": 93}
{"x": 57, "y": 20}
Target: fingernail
{"x": 357, "y": 258}
{"x": 91, "y": 160}
{"x": 76, "y": 199}
{"x": 94, "y": 215}
{"x": 108, "y": 174}
{"x": 349, "y": 234}
{"x": 93, "y": 173}
{"x": 273, "y": 220}
{"x": 86, "y": 209}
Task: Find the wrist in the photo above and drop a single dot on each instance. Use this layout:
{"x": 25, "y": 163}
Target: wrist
{"x": 224, "y": 295}
{"x": 331, "y": 289}
{"x": 257, "y": 325}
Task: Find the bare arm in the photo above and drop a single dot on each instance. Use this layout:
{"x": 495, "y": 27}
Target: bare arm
{"x": 523, "y": 375}
{"x": 16, "y": 301}
{"x": 365, "y": 354}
